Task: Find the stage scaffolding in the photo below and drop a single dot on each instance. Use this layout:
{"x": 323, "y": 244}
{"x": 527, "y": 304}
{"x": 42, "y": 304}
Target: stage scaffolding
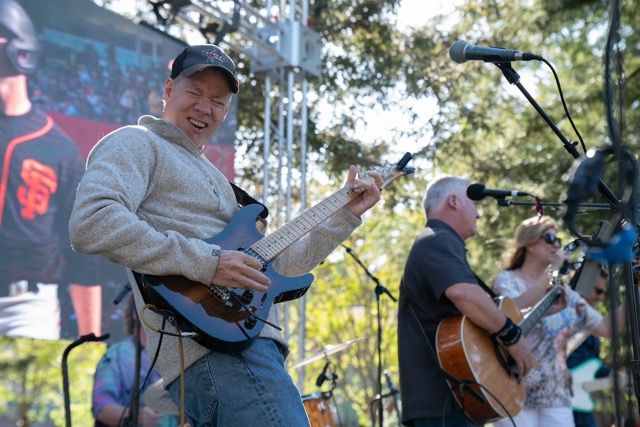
{"x": 285, "y": 52}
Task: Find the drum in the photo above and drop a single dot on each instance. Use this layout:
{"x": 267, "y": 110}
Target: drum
{"x": 318, "y": 409}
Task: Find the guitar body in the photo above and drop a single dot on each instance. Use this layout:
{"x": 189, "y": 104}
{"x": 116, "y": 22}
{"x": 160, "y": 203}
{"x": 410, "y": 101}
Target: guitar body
{"x": 227, "y": 325}
{"x": 581, "y": 375}
{"x": 467, "y": 353}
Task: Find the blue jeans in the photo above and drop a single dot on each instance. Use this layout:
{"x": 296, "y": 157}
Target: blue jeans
{"x": 241, "y": 389}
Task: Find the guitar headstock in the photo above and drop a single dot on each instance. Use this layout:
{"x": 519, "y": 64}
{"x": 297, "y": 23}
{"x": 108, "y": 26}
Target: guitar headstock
{"x": 389, "y": 172}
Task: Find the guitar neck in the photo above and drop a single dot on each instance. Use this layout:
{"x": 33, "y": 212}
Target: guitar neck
{"x": 539, "y": 310}
{"x": 272, "y": 245}
{"x": 269, "y": 247}
{"x": 598, "y": 384}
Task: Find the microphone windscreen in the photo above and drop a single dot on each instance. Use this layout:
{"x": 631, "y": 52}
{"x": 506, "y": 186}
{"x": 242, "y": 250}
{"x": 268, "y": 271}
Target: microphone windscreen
{"x": 475, "y": 192}
{"x": 456, "y": 51}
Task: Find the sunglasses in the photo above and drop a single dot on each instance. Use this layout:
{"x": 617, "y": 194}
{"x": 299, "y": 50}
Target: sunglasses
{"x": 551, "y": 239}
{"x": 599, "y": 291}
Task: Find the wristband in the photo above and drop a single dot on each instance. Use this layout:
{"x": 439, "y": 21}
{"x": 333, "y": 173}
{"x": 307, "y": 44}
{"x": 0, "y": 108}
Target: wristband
{"x": 509, "y": 334}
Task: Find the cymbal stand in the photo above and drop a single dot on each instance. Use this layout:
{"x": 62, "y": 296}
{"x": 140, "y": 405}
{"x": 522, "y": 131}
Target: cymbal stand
{"x": 379, "y": 290}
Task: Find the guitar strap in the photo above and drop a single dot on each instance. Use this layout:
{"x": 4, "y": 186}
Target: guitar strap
{"x": 245, "y": 199}
{"x": 424, "y": 333}
{"x": 486, "y": 288}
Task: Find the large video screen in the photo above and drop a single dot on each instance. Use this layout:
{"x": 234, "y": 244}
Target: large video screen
{"x": 93, "y": 71}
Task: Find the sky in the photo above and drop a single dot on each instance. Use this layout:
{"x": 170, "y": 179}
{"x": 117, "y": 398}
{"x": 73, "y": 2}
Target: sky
{"x": 411, "y": 13}
{"x": 417, "y": 12}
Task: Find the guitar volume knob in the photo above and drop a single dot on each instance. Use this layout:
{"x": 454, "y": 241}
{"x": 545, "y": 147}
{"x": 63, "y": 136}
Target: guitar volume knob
{"x": 251, "y": 320}
{"x": 247, "y": 296}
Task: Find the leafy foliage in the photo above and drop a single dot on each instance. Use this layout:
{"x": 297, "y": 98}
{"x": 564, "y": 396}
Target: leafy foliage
{"x": 31, "y": 381}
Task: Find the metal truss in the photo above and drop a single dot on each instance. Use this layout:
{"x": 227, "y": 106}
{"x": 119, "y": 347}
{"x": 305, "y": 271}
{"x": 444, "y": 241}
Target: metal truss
{"x": 285, "y": 51}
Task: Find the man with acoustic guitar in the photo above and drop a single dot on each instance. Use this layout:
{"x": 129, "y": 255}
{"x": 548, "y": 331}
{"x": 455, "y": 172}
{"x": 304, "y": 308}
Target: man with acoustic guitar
{"x": 150, "y": 200}
{"x": 438, "y": 283}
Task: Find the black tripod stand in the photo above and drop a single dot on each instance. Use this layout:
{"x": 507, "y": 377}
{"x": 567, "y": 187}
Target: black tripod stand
{"x": 379, "y": 290}
{"x": 65, "y": 372}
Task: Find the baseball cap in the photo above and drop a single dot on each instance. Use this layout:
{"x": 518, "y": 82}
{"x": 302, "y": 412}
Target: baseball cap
{"x": 198, "y": 57}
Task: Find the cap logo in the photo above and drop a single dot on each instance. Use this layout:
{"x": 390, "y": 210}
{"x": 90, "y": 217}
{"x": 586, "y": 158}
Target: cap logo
{"x": 213, "y": 56}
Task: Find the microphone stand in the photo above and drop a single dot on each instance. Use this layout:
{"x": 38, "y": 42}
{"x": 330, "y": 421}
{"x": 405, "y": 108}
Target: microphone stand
{"x": 514, "y": 78}
{"x": 134, "y": 403}
{"x": 502, "y": 201}
{"x": 633, "y": 305}
{"x": 379, "y": 290}
{"x": 65, "y": 373}
{"x": 393, "y": 392}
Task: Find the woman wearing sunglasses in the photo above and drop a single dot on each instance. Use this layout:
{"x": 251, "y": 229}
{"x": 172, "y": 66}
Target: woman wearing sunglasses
{"x": 535, "y": 252}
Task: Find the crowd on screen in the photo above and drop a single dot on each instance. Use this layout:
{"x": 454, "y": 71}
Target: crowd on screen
{"x": 97, "y": 87}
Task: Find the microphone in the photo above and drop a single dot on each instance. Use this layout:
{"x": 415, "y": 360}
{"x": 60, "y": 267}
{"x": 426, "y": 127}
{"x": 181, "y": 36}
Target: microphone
{"x": 323, "y": 375}
{"x": 479, "y": 192}
{"x": 461, "y": 51}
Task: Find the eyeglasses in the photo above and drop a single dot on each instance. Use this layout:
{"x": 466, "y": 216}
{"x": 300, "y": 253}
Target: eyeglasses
{"x": 551, "y": 239}
{"x": 599, "y": 291}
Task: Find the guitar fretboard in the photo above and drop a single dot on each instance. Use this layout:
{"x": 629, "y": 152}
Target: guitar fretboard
{"x": 539, "y": 310}
{"x": 269, "y": 247}
{"x": 598, "y": 384}
{"x": 272, "y": 245}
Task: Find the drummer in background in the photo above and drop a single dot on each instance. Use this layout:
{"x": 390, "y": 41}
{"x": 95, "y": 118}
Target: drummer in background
{"x": 114, "y": 380}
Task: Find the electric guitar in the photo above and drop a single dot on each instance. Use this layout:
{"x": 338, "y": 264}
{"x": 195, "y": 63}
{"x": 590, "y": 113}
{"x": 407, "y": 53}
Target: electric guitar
{"x": 481, "y": 375}
{"x": 227, "y": 318}
{"x": 584, "y": 382}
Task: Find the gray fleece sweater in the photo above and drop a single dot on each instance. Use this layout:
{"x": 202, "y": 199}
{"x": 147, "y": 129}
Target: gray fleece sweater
{"x": 146, "y": 201}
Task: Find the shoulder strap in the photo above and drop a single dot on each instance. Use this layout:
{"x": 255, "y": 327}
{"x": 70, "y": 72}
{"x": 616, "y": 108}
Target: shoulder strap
{"x": 245, "y": 199}
{"x": 486, "y": 288}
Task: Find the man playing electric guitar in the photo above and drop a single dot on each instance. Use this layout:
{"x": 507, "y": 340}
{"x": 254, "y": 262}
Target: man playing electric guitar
{"x": 148, "y": 200}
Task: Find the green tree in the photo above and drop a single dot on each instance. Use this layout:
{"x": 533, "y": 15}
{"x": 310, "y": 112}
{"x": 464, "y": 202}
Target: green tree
{"x": 485, "y": 128}
{"x": 31, "y": 381}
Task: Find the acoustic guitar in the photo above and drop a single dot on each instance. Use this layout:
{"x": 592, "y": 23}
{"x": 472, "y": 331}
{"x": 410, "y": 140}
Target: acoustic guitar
{"x": 227, "y": 318}
{"x": 481, "y": 375}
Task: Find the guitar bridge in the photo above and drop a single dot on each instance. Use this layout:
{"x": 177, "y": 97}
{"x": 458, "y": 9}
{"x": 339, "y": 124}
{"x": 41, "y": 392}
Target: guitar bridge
{"x": 221, "y": 292}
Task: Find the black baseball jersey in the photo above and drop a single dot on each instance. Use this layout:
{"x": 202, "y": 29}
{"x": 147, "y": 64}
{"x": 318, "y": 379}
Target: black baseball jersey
{"x": 40, "y": 170}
